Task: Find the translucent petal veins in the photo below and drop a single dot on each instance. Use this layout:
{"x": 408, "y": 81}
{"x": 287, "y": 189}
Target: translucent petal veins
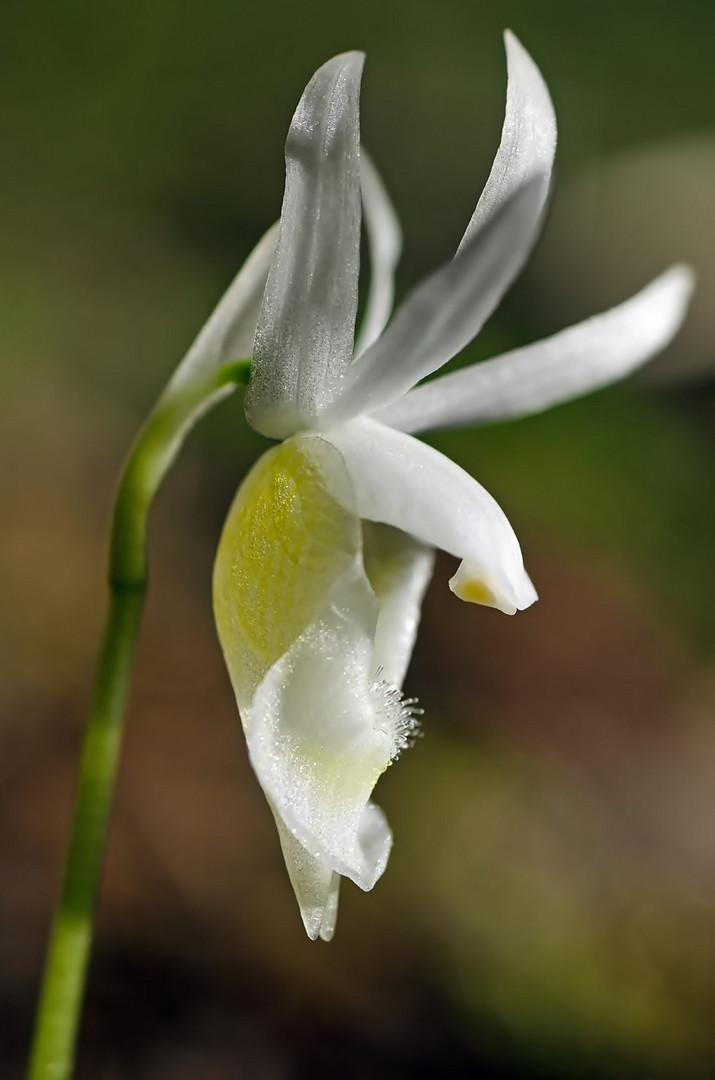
{"x": 304, "y": 337}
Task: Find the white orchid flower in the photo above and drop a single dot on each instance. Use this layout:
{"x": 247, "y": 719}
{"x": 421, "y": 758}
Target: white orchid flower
{"x": 327, "y": 549}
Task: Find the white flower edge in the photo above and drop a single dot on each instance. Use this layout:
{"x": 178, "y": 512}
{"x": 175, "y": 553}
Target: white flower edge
{"x": 528, "y": 139}
{"x": 303, "y": 375}
{"x": 445, "y": 312}
{"x": 385, "y": 246}
{"x": 321, "y": 721}
{"x": 405, "y": 483}
{"x": 306, "y": 327}
{"x": 601, "y": 350}
{"x": 321, "y": 707}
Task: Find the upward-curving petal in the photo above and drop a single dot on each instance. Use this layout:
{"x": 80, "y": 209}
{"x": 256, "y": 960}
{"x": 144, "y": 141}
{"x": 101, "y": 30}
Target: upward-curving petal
{"x": 528, "y": 140}
{"x": 385, "y": 244}
{"x": 402, "y": 482}
{"x": 585, "y": 357}
{"x": 445, "y": 312}
{"x": 304, "y": 337}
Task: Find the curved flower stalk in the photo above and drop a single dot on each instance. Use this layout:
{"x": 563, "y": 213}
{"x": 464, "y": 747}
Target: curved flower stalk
{"x": 326, "y": 552}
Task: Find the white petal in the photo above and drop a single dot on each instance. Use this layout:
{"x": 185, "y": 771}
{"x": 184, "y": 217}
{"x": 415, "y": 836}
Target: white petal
{"x": 304, "y": 338}
{"x": 315, "y": 738}
{"x": 399, "y": 569}
{"x": 585, "y": 357}
{"x": 385, "y": 244}
{"x": 444, "y": 313}
{"x": 528, "y": 140}
{"x": 402, "y": 482}
{"x": 228, "y": 333}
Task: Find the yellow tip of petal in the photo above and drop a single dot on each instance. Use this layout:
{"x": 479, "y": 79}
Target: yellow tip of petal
{"x": 469, "y": 584}
{"x": 475, "y": 591}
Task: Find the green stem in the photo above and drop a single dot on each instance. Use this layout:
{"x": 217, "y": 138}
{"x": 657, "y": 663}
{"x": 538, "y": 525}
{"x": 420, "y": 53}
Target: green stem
{"x": 59, "y": 1008}
{"x": 68, "y": 954}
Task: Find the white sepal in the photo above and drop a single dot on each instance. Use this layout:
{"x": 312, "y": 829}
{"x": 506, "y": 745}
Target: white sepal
{"x": 585, "y": 357}
{"x": 385, "y": 245}
{"x": 304, "y": 337}
{"x": 528, "y": 140}
{"x": 399, "y": 569}
{"x": 445, "y": 312}
{"x": 402, "y": 482}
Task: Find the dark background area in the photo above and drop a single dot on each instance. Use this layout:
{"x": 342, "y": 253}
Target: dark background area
{"x": 548, "y": 910}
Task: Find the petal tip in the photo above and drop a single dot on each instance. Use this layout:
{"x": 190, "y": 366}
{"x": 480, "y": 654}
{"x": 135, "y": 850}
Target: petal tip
{"x": 517, "y": 53}
{"x": 470, "y": 583}
{"x": 670, "y": 295}
{"x": 353, "y": 59}
{"x": 528, "y": 594}
{"x": 511, "y": 41}
{"x": 682, "y": 279}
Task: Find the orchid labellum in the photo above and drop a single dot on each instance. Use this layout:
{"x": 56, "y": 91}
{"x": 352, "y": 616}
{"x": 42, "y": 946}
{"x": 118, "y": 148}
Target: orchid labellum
{"x": 327, "y": 549}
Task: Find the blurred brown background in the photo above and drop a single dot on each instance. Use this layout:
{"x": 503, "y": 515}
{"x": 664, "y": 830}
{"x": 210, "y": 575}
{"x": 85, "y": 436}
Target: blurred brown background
{"x": 549, "y": 907}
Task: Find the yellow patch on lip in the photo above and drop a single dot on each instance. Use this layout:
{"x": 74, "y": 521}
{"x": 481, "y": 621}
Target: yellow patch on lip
{"x": 474, "y": 591}
{"x": 286, "y": 540}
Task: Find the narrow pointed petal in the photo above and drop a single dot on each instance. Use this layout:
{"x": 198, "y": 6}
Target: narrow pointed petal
{"x": 587, "y": 356}
{"x": 402, "y": 482}
{"x": 528, "y": 140}
{"x": 228, "y": 334}
{"x": 399, "y": 569}
{"x": 385, "y": 243}
{"x": 444, "y": 313}
{"x": 304, "y": 337}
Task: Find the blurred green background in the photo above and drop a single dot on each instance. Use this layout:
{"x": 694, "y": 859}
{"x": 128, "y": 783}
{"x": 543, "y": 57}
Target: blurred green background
{"x": 549, "y": 907}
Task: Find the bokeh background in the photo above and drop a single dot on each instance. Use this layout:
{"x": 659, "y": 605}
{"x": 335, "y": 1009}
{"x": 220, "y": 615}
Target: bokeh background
{"x": 549, "y": 907}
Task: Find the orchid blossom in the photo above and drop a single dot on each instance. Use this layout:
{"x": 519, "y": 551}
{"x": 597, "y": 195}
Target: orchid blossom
{"x": 327, "y": 549}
